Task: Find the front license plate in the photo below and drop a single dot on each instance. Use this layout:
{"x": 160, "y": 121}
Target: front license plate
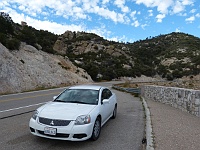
{"x": 50, "y": 131}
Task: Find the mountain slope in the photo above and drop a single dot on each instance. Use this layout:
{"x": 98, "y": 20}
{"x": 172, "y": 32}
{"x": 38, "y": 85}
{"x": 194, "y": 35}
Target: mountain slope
{"x": 28, "y": 69}
{"x": 170, "y": 56}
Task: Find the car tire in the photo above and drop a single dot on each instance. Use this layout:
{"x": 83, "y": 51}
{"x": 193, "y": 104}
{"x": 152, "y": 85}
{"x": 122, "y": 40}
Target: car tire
{"x": 96, "y": 129}
{"x": 114, "y": 112}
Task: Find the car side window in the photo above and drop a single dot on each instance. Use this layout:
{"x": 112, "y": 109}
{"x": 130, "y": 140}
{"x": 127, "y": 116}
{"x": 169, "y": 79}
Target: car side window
{"x": 103, "y": 96}
{"x": 106, "y": 94}
{"x": 109, "y": 93}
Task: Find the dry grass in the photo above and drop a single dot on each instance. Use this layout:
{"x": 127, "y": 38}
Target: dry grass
{"x": 188, "y": 84}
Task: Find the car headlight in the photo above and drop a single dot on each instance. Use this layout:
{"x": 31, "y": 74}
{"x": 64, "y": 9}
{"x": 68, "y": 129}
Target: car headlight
{"x": 84, "y": 119}
{"x": 35, "y": 115}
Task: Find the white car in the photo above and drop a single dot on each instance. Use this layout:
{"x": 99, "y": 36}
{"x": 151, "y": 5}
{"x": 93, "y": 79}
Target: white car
{"x": 77, "y": 114}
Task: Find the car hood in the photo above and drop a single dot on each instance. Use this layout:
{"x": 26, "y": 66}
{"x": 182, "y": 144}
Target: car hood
{"x": 64, "y": 111}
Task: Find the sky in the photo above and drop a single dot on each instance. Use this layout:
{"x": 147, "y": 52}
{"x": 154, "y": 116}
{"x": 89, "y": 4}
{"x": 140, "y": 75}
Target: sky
{"x": 115, "y": 20}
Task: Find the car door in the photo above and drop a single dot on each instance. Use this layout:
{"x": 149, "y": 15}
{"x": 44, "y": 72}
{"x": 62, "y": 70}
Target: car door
{"x": 105, "y": 106}
{"x": 111, "y": 101}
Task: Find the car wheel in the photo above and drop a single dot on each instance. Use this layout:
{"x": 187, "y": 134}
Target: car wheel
{"x": 114, "y": 112}
{"x": 96, "y": 129}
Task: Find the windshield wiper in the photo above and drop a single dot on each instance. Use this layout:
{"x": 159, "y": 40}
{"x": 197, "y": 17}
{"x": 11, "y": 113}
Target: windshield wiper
{"x": 57, "y": 100}
{"x": 76, "y": 102}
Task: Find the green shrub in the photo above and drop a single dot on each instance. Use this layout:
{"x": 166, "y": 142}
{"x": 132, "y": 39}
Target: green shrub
{"x": 13, "y": 44}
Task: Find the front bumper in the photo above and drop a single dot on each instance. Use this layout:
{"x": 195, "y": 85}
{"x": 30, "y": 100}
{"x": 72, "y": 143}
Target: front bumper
{"x": 71, "y": 132}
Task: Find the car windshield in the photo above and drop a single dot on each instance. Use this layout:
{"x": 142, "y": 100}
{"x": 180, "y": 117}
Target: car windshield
{"x": 82, "y": 96}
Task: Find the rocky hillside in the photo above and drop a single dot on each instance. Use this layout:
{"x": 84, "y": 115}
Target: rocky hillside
{"x": 168, "y": 56}
{"x": 28, "y": 68}
{"x": 102, "y": 59}
{"x": 171, "y": 56}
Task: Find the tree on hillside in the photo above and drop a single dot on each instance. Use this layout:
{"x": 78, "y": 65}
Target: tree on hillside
{"x": 6, "y": 24}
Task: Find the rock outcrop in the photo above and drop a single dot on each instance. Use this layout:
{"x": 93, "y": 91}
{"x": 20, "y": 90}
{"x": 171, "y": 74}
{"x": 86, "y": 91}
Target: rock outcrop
{"x": 28, "y": 68}
{"x": 82, "y": 42}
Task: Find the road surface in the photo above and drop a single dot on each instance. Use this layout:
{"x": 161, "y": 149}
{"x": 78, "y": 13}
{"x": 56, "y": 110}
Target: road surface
{"x": 123, "y": 133}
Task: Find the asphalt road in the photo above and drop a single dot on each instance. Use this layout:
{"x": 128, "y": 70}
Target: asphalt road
{"x": 123, "y": 133}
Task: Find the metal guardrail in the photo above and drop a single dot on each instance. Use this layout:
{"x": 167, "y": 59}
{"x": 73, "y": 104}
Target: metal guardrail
{"x": 129, "y": 90}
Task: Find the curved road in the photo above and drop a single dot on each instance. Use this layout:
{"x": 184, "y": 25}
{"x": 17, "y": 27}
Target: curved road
{"x": 123, "y": 133}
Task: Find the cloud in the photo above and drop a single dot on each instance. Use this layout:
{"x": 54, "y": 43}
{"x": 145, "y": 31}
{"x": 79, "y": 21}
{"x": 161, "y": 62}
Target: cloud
{"x": 60, "y": 28}
{"x": 143, "y": 26}
{"x": 183, "y": 14}
{"x": 177, "y": 30}
{"x": 101, "y": 31}
{"x": 107, "y": 14}
{"x": 198, "y": 15}
{"x": 150, "y": 12}
{"x": 178, "y": 7}
{"x": 105, "y": 1}
{"x": 57, "y": 16}
{"x": 190, "y": 19}
{"x": 79, "y": 13}
{"x": 160, "y": 17}
{"x": 4, "y": 4}
{"x": 187, "y": 2}
{"x": 135, "y": 23}
{"x": 165, "y": 7}
{"x": 121, "y": 4}
{"x": 87, "y": 9}
{"x": 45, "y": 25}
{"x": 119, "y": 39}
{"x": 132, "y": 14}
{"x": 162, "y": 5}
{"x": 53, "y": 26}
{"x": 34, "y": 11}
{"x": 193, "y": 11}
{"x": 70, "y": 9}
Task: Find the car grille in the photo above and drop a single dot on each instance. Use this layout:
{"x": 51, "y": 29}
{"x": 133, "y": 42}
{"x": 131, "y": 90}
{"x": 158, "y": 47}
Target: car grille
{"x": 54, "y": 122}
{"x": 59, "y": 135}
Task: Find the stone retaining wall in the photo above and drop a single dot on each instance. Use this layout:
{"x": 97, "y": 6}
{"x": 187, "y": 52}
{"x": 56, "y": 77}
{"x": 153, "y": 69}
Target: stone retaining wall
{"x": 184, "y": 99}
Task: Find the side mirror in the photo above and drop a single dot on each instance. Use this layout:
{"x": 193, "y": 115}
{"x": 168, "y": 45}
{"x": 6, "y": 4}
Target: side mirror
{"x": 105, "y": 101}
{"x": 55, "y": 97}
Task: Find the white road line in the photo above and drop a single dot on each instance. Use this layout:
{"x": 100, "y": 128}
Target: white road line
{"x": 22, "y": 107}
{"x": 32, "y": 92}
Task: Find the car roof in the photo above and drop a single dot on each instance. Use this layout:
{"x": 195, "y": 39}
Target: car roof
{"x": 92, "y": 87}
